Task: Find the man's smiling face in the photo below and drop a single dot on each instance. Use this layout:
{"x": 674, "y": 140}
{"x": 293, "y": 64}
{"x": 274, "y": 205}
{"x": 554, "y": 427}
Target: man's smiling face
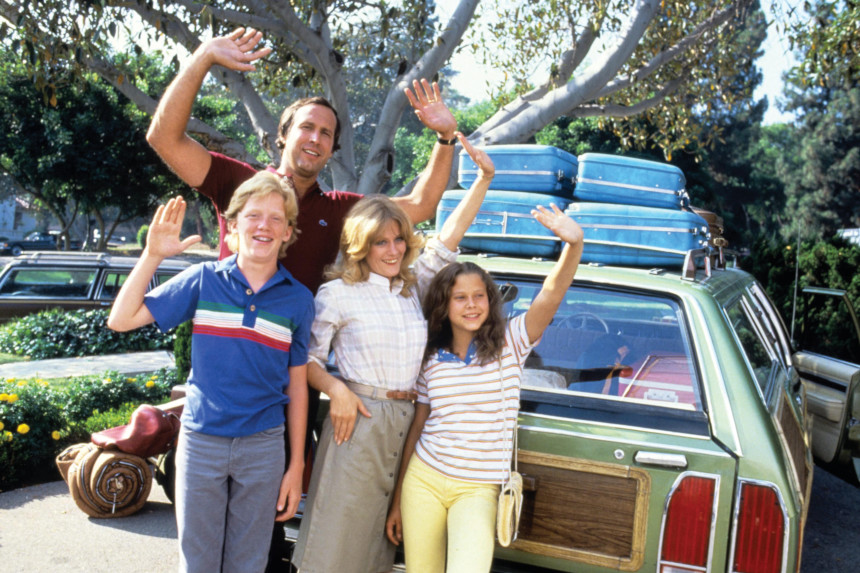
{"x": 308, "y": 143}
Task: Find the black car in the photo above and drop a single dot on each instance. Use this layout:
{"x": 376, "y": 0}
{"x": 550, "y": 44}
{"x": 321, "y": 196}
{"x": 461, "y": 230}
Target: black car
{"x": 69, "y": 280}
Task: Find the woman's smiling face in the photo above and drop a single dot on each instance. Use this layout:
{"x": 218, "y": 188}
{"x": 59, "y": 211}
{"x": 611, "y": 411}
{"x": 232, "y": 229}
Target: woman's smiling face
{"x": 387, "y": 249}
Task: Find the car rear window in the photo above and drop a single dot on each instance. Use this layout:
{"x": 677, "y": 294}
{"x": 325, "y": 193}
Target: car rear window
{"x": 617, "y": 345}
{"x": 48, "y": 283}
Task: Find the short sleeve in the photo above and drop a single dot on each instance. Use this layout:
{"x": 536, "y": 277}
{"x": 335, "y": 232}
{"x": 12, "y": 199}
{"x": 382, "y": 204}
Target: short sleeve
{"x": 302, "y": 335}
{"x": 326, "y": 323}
{"x": 517, "y": 338}
{"x": 175, "y": 301}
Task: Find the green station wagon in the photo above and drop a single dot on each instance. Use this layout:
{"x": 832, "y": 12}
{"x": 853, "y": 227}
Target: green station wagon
{"x": 667, "y": 424}
{"x": 664, "y": 424}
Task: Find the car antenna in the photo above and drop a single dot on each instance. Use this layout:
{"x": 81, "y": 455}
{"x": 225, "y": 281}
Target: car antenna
{"x": 796, "y": 280}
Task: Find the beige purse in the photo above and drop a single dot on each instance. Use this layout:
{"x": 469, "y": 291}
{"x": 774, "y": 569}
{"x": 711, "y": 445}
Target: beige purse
{"x": 511, "y": 494}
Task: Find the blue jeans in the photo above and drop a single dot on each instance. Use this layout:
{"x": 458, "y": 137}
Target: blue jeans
{"x": 226, "y": 491}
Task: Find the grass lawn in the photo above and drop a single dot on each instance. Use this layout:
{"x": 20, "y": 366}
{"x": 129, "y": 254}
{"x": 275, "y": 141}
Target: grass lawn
{"x": 8, "y": 358}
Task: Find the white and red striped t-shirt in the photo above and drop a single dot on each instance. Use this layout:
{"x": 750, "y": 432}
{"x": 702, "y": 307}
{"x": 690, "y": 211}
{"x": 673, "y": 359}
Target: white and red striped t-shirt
{"x": 463, "y": 437}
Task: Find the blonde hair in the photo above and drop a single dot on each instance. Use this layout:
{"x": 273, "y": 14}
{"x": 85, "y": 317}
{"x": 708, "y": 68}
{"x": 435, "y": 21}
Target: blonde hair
{"x": 362, "y": 226}
{"x": 260, "y": 185}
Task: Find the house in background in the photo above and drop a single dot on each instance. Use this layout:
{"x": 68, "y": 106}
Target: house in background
{"x": 18, "y": 216}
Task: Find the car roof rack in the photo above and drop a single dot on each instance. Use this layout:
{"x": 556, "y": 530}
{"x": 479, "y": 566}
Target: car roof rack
{"x": 71, "y": 256}
{"x": 711, "y": 257}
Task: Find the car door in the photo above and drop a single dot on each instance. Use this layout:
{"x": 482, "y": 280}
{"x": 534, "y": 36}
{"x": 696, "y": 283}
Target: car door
{"x": 828, "y": 361}
{"x": 619, "y": 466}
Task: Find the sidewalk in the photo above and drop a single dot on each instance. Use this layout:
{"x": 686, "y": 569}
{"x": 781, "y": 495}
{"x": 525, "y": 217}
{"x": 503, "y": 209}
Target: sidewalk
{"x": 42, "y": 530}
{"x": 130, "y": 364}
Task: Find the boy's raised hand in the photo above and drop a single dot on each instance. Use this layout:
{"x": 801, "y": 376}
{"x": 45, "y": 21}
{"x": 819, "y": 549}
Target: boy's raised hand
{"x": 560, "y": 224}
{"x": 479, "y": 156}
{"x": 162, "y": 238}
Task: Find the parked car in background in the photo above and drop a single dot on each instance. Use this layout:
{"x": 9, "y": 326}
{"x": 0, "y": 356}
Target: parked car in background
{"x": 68, "y": 280}
{"x": 35, "y": 241}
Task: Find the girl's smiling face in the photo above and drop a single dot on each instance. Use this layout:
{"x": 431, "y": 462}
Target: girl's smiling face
{"x": 468, "y": 305}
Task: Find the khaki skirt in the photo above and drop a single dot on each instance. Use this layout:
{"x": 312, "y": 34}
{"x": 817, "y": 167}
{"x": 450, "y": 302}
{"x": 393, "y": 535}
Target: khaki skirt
{"x": 343, "y": 528}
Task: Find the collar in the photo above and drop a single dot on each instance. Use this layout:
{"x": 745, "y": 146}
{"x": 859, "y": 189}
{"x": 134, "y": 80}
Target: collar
{"x": 230, "y": 265}
{"x": 443, "y": 355}
{"x": 314, "y": 190}
{"x": 393, "y": 286}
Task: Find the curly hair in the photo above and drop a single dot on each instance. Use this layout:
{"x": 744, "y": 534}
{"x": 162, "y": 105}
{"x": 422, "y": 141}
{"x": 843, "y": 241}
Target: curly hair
{"x": 490, "y": 337}
{"x": 362, "y": 226}
{"x": 289, "y": 113}
{"x": 260, "y": 185}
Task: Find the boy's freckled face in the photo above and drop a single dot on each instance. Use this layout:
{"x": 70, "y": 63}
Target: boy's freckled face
{"x": 262, "y": 228}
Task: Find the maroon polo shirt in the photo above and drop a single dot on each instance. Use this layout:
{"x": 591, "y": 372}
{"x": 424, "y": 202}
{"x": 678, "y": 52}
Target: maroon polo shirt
{"x": 320, "y": 219}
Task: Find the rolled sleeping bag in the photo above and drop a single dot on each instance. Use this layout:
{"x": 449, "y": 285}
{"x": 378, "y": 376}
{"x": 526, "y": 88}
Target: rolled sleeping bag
{"x": 108, "y": 483}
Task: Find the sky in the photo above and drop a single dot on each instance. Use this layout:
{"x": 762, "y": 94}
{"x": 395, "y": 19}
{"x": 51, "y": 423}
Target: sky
{"x": 775, "y": 60}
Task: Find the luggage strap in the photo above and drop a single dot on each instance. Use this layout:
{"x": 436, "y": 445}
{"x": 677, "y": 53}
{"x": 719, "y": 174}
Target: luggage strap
{"x": 605, "y": 183}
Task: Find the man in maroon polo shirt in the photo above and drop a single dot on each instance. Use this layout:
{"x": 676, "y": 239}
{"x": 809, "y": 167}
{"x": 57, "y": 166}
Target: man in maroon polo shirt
{"x": 308, "y": 134}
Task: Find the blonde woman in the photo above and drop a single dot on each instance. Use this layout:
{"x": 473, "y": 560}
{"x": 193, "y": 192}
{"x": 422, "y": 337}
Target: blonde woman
{"x": 370, "y": 315}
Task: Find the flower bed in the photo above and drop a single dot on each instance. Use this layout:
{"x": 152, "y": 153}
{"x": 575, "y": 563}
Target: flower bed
{"x": 38, "y": 420}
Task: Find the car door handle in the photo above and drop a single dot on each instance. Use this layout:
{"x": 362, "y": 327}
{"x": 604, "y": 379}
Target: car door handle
{"x": 659, "y": 459}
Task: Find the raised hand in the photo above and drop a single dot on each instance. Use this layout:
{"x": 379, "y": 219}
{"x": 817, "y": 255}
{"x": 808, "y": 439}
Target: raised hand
{"x": 560, "y": 224}
{"x": 162, "y": 239}
{"x": 479, "y": 156}
{"x": 427, "y": 102}
{"x": 236, "y": 50}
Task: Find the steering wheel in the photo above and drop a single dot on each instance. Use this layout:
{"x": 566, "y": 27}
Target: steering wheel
{"x": 584, "y": 321}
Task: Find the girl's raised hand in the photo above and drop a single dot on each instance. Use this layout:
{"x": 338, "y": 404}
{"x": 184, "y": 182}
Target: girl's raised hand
{"x": 560, "y": 224}
{"x": 162, "y": 239}
{"x": 479, "y": 156}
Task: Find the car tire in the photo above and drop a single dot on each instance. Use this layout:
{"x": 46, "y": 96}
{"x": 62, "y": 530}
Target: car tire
{"x": 17, "y": 250}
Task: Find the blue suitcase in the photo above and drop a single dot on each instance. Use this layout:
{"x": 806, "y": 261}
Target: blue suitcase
{"x": 638, "y": 236}
{"x": 505, "y": 224}
{"x": 538, "y": 168}
{"x": 630, "y": 181}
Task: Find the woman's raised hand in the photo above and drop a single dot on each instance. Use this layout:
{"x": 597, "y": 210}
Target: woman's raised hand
{"x": 479, "y": 156}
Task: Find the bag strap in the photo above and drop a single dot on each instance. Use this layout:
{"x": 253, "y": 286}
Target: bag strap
{"x": 511, "y": 444}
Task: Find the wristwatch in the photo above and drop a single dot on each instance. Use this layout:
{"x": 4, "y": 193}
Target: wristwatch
{"x": 451, "y": 141}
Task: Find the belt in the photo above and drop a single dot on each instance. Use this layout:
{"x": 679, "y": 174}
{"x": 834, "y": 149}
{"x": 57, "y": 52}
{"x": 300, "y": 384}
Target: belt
{"x": 375, "y": 392}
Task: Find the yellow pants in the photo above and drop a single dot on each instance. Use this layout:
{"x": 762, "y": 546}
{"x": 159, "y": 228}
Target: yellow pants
{"x": 446, "y": 517}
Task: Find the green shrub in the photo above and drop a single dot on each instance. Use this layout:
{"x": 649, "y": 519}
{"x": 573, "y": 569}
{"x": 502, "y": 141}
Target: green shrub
{"x": 88, "y": 394}
{"x": 141, "y": 235}
{"x": 111, "y": 419}
{"x": 57, "y": 333}
{"x": 182, "y": 351}
{"x": 31, "y": 430}
{"x": 37, "y": 420}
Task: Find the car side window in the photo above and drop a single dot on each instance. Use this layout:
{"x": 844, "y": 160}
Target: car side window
{"x": 48, "y": 283}
{"x": 112, "y": 283}
{"x": 618, "y": 345}
{"x": 755, "y": 342}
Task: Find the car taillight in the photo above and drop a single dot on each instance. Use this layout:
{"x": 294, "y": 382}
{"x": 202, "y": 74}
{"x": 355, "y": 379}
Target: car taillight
{"x": 687, "y": 525}
{"x": 760, "y": 530}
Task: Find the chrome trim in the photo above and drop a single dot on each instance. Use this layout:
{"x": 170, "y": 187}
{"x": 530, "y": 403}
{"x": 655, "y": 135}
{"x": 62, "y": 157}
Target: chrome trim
{"x": 616, "y": 440}
{"x": 674, "y": 461}
{"x": 734, "y": 535}
{"x": 721, "y": 380}
{"x": 717, "y": 478}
